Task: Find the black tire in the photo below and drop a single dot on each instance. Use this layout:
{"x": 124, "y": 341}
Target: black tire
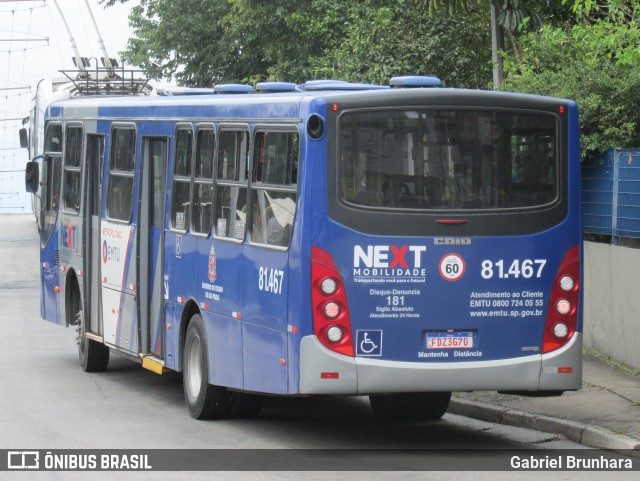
{"x": 204, "y": 400}
{"x": 94, "y": 356}
{"x": 244, "y": 405}
{"x": 410, "y": 406}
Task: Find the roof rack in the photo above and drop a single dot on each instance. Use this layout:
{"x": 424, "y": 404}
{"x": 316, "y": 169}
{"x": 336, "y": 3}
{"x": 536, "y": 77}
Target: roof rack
{"x": 109, "y": 81}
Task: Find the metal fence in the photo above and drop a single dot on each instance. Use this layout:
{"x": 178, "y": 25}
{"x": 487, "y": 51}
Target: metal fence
{"x": 611, "y": 194}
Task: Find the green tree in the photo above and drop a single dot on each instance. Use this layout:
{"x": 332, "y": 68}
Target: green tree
{"x": 182, "y": 39}
{"x": 399, "y": 37}
{"x": 511, "y": 16}
{"x": 201, "y": 42}
{"x": 595, "y": 62}
{"x": 614, "y": 10}
{"x": 287, "y": 35}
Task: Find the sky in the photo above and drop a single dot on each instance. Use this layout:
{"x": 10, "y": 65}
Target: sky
{"x": 34, "y": 44}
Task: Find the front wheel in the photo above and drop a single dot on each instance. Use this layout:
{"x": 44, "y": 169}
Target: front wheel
{"x": 94, "y": 356}
{"x": 410, "y": 406}
{"x": 203, "y": 400}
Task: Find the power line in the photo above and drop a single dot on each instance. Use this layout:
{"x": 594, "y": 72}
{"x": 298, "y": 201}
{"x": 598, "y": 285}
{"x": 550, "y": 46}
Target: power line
{"x": 45, "y": 39}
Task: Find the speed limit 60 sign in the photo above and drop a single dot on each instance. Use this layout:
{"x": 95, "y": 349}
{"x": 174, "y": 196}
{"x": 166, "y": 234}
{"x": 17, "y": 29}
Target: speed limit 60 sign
{"x": 452, "y": 267}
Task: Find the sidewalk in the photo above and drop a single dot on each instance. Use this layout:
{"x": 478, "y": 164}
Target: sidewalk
{"x": 605, "y": 413}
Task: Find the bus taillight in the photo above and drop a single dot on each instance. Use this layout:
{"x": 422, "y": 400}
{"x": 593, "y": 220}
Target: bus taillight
{"x": 331, "y": 322}
{"x": 562, "y": 316}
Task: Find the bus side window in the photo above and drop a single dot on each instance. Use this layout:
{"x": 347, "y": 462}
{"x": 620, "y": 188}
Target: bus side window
{"x": 121, "y": 175}
{"x": 231, "y": 184}
{"x": 51, "y": 176}
{"x": 72, "y": 168}
{"x": 181, "y": 191}
{"x": 275, "y": 178}
{"x": 53, "y": 146}
{"x": 203, "y": 188}
{"x": 51, "y": 171}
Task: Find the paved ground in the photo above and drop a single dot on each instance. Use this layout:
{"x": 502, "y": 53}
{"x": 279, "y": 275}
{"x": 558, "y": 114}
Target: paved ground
{"x": 605, "y": 413}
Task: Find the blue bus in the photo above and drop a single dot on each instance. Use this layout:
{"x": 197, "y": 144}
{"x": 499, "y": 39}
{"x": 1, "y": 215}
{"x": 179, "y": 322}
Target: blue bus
{"x": 400, "y": 241}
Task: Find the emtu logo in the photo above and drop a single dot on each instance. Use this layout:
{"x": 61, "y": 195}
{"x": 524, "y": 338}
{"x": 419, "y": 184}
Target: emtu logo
{"x": 388, "y": 256}
{"x": 110, "y": 253}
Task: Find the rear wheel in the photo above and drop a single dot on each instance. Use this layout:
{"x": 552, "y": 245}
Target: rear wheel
{"x": 410, "y": 406}
{"x": 204, "y": 400}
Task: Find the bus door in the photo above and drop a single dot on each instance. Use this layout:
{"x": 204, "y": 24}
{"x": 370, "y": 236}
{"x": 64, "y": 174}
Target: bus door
{"x": 266, "y": 258}
{"x": 150, "y": 245}
{"x": 93, "y": 204}
{"x": 118, "y": 244}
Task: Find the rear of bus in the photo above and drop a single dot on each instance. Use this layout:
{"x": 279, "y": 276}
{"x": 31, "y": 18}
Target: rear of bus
{"x": 448, "y": 256}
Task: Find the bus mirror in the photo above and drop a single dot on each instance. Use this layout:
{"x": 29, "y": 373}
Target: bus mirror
{"x": 24, "y": 139}
{"x": 32, "y": 177}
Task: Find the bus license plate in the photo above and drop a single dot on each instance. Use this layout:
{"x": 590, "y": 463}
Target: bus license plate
{"x": 449, "y": 340}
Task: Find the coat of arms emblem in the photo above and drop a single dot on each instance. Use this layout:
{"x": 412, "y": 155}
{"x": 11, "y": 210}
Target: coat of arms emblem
{"x": 212, "y": 265}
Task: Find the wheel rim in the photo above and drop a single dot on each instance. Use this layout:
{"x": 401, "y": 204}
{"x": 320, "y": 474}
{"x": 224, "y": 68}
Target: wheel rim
{"x": 81, "y": 337}
{"x": 194, "y": 367}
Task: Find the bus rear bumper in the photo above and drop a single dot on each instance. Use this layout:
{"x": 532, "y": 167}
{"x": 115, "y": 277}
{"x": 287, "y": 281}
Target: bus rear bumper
{"x": 325, "y": 372}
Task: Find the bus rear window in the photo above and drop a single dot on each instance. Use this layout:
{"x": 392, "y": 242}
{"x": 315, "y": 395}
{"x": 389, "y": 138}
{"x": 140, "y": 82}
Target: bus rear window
{"x": 448, "y": 159}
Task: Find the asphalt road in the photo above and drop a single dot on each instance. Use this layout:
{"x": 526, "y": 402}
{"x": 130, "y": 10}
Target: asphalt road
{"x": 48, "y": 402}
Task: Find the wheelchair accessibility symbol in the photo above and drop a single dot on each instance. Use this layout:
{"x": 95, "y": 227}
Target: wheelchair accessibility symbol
{"x": 369, "y": 343}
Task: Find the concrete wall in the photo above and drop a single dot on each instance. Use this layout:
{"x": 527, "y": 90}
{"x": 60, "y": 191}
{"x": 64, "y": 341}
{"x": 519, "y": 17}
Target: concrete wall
{"x": 612, "y": 301}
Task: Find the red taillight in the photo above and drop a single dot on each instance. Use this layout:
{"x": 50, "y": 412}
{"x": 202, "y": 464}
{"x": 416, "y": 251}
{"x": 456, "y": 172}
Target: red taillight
{"x": 562, "y": 316}
{"x": 331, "y": 322}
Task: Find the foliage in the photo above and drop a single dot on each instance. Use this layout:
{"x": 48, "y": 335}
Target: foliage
{"x": 180, "y": 38}
{"x": 287, "y": 35}
{"x": 201, "y": 42}
{"x": 594, "y": 63}
{"x": 401, "y": 38}
{"x": 513, "y": 14}
{"x": 592, "y": 57}
{"x": 514, "y": 17}
{"x": 620, "y": 11}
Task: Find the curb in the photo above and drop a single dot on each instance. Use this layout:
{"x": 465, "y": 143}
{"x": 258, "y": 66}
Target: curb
{"x": 592, "y": 436}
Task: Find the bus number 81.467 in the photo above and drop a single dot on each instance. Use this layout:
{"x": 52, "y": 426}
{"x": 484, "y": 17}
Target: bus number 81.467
{"x": 526, "y": 268}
